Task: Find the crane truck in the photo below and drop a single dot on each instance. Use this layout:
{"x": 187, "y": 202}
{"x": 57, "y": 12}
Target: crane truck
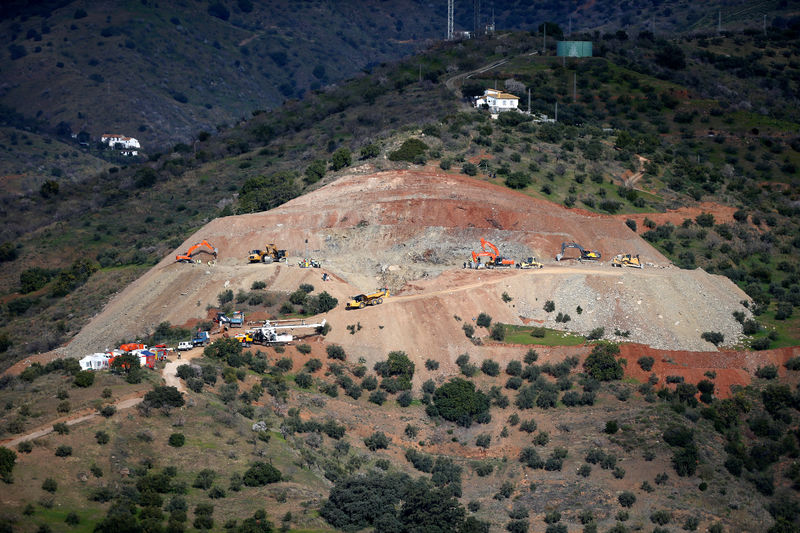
{"x": 280, "y": 331}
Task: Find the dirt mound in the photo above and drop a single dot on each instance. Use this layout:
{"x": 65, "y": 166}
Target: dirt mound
{"x": 412, "y": 231}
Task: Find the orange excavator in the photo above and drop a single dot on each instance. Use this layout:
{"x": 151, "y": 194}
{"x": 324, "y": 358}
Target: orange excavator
{"x": 187, "y": 258}
{"x": 495, "y": 259}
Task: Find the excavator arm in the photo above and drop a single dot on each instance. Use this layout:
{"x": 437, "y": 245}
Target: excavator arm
{"x": 187, "y": 257}
{"x": 485, "y": 243}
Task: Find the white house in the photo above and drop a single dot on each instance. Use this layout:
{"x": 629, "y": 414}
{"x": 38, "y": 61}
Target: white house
{"x": 497, "y": 101}
{"x": 96, "y": 361}
{"x": 129, "y": 145}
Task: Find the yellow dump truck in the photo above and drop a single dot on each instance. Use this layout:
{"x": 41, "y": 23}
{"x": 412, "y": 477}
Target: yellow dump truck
{"x": 362, "y": 300}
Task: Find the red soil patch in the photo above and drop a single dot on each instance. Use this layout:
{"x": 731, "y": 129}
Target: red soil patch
{"x": 723, "y": 214}
{"x": 731, "y": 368}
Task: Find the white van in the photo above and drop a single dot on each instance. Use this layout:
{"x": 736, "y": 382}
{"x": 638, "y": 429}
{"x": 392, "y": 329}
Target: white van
{"x": 184, "y": 345}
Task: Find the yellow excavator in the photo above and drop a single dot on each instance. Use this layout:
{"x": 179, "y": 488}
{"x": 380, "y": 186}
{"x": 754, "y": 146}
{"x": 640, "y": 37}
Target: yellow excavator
{"x": 586, "y": 255}
{"x": 362, "y": 300}
{"x": 531, "y": 262}
{"x": 268, "y": 255}
{"x": 621, "y": 260}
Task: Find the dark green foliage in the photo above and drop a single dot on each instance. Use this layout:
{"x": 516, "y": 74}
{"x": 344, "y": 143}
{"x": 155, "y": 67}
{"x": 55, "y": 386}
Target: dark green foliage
{"x": 661, "y": 517}
{"x": 490, "y": 367}
{"x": 626, "y": 499}
{"x": 601, "y": 364}
{"x": 33, "y": 279}
{"x": 767, "y": 372}
{"x": 420, "y": 461}
{"x": 63, "y": 451}
{"x": 261, "y": 474}
{"x": 303, "y": 380}
{"x": 405, "y": 399}
{"x": 218, "y": 9}
{"x": 315, "y": 171}
{"x": 341, "y": 158}
{"x": 646, "y": 363}
{"x": 7, "y": 460}
{"x": 595, "y": 334}
{"x": 164, "y": 396}
{"x": 84, "y": 378}
{"x": 458, "y": 401}
{"x": 484, "y": 320}
{"x": 530, "y": 457}
{"x": 514, "y": 368}
{"x": 431, "y": 364}
{"x": 262, "y": 193}
{"x": 409, "y": 151}
{"x": 336, "y": 352}
{"x": 612, "y": 426}
{"x": 176, "y": 440}
{"x": 469, "y": 169}
{"x": 73, "y": 277}
{"x": 714, "y": 337}
{"x": 377, "y": 441}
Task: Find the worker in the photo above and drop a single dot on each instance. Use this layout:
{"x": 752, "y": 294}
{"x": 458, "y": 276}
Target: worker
{"x": 324, "y": 276}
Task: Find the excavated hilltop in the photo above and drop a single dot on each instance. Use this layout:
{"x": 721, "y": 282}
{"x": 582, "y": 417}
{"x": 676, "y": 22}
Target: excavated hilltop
{"x": 412, "y": 230}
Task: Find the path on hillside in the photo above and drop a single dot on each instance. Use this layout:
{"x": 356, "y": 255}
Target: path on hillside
{"x": 75, "y": 418}
{"x": 170, "y": 372}
{"x": 561, "y": 271}
{"x": 451, "y": 82}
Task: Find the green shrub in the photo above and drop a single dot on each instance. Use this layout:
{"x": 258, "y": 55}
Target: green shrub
{"x": 377, "y": 441}
{"x": 646, "y": 363}
{"x": 84, "y": 379}
{"x": 595, "y": 334}
{"x": 458, "y": 401}
{"x": 484, "y": 320}
{"x": 63, "y": 451}
{"x": 714, "y": 337}
{"x": 336, "y": 352}
{"x": 176, "y": 440}
{"x": 601, "y": 364}
{"x": 409, "y": 151}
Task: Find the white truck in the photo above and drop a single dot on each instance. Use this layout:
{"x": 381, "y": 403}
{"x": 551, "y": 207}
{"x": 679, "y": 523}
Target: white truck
{"x": 184, "y": 345}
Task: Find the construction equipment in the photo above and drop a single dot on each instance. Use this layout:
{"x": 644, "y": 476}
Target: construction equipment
{"x": 495, "y": 259}
{"x": 222, "y": 318}
{"x": 586, "y": 255}
{"x": 201, "y": 338}
{"x": 274, "y": 332}
{"x": 270, "y": 254}
{"x": 621, "y": 260}
{"x": 531, "y": 262}
{"x": 237, "y": 320}
{"x": 187, "y": 257}
{"x": 308, "y": 263}
{"x": 245, "y": 338}
{"x": 362, "y": 300}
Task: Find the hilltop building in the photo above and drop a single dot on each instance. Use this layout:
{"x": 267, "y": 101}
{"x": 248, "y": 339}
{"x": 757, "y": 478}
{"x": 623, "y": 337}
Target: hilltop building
{"x": 497, "y": 101}
{"x": 127, "y": 145}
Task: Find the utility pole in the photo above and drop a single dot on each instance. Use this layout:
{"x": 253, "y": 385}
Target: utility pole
{"x": 476, "y": 16}
{"x": 544, "y": 37}
{"x": 575, "y": 86}
{"x": 556, "y": 110}
{"x": 529, "y": 100}
{"x": 450, "y": 19}
{"x": 765, "y": 25}
{"x": 719, "y": 21}
{"x": 570, "y": 26}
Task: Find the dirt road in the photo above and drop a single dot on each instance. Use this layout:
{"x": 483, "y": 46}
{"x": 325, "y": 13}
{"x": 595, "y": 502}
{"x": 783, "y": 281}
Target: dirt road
{"x": 170, "y": 372}
{"x": 76, "y": 418}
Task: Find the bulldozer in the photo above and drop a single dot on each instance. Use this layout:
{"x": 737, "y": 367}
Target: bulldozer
{"x": 586, "y": 255}
{"x": 270, "y": 254}
{"x": 187, "y": 257}
{"x": 362, "y": 300}
{"x": 531, "y": 262}
{"x": 621, "y": 260}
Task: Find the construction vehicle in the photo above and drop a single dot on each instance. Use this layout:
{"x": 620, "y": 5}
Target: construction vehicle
{"x": 495, "y": 259}
{"x": 201, "y": 338}
{"x": 269, "y": 254}
{"x": 222, "y": 318}
{"x": 586, "y": 255}
{"x": 187, "y": 257}
{"x": 280, "y": 331}
{"x": 362, "y": 300}
{"x": 531, "y": 262}
{"x": 245, "y": 338}
{"x": 308, "y": 263}
{"x": 237, "y": 320}
{"x": 621, "y": 260}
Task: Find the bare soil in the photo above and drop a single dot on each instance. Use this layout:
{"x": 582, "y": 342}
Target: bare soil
{"x": 412, "y": 230}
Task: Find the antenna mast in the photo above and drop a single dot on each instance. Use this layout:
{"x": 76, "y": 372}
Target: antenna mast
{"x": 476, "y": 17}
{"x": 450, "y": 19}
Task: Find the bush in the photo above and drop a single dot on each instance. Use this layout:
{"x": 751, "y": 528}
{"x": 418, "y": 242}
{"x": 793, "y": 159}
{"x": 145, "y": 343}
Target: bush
{"x": 336, "y": 352}
{"x": 714, "y": 337}
{"x": 162, "y": 396}
{"x": 458, "y": 401}
{"x": 646, "y": 363}
{"x": 431, "y": 364}
{"x": 498, "y": 332}
{"x": 595, "y": 334}
{"x": 612, "y": 426}
{"x": 490, "y": 367}
{"x": 484, "y": 320}
{"x": 661, "y": 517}
{"x": 409, "y": 151}
{"x": 63, "y": 451}
{"x": 84, "y": 379}
{"x": 61, "y": 428}
{"x": 483, "y": 440}
{"x": 176, "y": 440}
{"x": 261, "y": 474}
{"x": 50, "y": 485}
{"x": 303, "y": 380}
{"x": 767, "y": 372}
{"x": 549, "y": 306}
{"x": 377, "y": 441}
{"x": 101, "y": 437}
{"x": 601, "y": 364}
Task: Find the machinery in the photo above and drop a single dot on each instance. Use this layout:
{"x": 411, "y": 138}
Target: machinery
{"x": 245, "y": 338}
{"x": 279, "y": 331}
{"x": 621, "y": 260}
{"x": 531, "y": 262}
{"x": 237, "y": 320}
{"x": 201, "y": 338}
{"x": 495, "y": 259}
{"x": 270, "y": 254}
{"x": 221, "y": 318}
{"x": 362, "y": 300}
{"x": 309, "y": 263}
{"x": 586, "y": 255}
{"x": 203, "y": 246}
